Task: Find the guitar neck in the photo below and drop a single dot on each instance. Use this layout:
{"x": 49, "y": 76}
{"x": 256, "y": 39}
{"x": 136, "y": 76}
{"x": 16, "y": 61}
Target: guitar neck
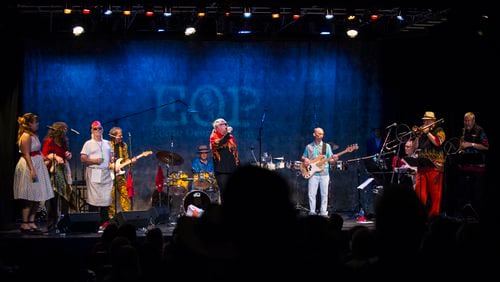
{"x": 342, "y": 153}
{"x": 129, "y": 161}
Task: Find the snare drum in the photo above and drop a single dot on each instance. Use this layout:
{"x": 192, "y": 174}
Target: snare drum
{"x": 202, "y": 181}
{"x": 178, "y": 182}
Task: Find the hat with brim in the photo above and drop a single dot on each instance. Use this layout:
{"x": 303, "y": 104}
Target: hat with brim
{"x": 429, "y": 115}
{"x": 203, "y": 149}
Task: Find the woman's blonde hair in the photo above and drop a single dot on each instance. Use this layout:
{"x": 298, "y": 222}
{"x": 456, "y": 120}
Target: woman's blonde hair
{"x": 24, "y": 122}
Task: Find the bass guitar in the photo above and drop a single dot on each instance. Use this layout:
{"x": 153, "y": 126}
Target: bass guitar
{"x": 318, "y": 164}
{"x": 119, "y": 165}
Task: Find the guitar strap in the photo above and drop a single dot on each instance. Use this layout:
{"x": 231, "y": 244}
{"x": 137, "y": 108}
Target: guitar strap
{"x": 323, "y": 150}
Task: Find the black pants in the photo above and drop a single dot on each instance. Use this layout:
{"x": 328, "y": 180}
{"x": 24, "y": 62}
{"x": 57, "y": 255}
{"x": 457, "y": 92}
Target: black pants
{"x": 221, "y": 179}
{"x": 103, "y": 212}
{"x": 470, "y": 189}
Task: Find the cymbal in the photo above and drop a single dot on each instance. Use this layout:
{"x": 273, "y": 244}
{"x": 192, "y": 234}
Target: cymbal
{"x": 169, "y": 158}
{"x": 333, "y": 145}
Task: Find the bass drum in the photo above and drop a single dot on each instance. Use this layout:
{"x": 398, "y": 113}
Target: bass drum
{"x": 203, "y": 181}
{"x": 196, "y": 198}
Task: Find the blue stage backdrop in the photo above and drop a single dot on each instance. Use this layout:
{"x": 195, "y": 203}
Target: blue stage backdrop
{"x": 288, "y": 88}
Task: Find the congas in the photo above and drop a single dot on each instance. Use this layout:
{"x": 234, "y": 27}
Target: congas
{"x": 203, "y": 181}
{"x": 178, "y": 182}
{"x": 197, "y": 198}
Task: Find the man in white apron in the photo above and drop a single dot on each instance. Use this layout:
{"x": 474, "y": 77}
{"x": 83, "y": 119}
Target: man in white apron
{"x": 96, "y": 155}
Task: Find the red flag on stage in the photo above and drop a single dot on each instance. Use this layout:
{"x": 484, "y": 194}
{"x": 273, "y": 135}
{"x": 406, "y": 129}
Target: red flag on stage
{"x": 130, "y": 185}
{"x": 159, "y": 179}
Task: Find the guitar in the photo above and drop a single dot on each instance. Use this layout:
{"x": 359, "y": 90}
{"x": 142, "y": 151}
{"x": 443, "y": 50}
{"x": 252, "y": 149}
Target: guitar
{"x": 119, "y": 165}
{"x": 318, "y": 163}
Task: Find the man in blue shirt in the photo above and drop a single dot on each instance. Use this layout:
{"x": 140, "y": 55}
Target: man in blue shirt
{"x": 203, "y": 169}
{"x": 317, "y": 156}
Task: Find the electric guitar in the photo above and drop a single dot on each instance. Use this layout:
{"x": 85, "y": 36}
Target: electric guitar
{"x": 119, "y": 165}
{"x": 318, "y": 163}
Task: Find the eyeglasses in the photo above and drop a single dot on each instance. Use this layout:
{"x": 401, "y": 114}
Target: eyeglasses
{"x": 96, "y": 128}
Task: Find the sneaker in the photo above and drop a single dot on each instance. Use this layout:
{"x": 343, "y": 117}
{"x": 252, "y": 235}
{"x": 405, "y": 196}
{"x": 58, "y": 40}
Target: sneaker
{"x": 361, "y": 219}
{"x": 103, "y": 226}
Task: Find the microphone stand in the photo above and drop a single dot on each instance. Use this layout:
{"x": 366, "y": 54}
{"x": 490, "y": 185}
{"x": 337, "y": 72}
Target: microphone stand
{"x": 260, "y": 135}
{"x": 115, "y": 121}
{"x": 130, "y": 169}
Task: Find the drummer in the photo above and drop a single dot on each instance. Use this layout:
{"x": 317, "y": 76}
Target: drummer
{"x": 202, "y": 166}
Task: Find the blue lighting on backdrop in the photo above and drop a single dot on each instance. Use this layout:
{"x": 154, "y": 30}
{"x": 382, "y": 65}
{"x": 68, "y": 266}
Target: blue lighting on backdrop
{"x": 135, "y": 85}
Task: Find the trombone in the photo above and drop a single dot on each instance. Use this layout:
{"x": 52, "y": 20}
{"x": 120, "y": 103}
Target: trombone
{"x": 419, "y": 130}
{"x": 406, "y": 133}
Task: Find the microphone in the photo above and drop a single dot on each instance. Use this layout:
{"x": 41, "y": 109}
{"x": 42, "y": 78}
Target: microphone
{"x": 114, "y": 136}
{"x": 171, "y": 141}
{"x": 51, "y": 127}
{"x": 74, "y": 131}
{"x": 392, "y": 125}
{"x": 264, "y": 115}
{"x": 129, "y": 135}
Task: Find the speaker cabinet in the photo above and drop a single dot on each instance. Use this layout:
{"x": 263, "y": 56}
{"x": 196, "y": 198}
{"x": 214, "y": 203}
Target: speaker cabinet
{"x": 80, "y": 222}
{"x": 160, "y": 214}
{"x": 139, "y": 219}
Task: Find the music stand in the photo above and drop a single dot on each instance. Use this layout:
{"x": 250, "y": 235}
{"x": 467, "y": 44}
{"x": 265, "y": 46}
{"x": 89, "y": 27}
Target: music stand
{"x": 419, "y": 162}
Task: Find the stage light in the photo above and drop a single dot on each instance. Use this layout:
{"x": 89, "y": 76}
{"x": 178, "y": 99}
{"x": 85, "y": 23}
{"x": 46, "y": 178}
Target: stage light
{"x": 352, "y": 33}
{"x": 190, "y": 30}
{"x": 108, "y": 11}
{"x": 127, "y": 11}
{"x": 247, "y": 13}
{"x": 86, "y": 11}
{"x": 167, "y": 12}
{"x": 296, "y": 13}
{"x": 329, "y": 14}
{"x": 78, "y": 30}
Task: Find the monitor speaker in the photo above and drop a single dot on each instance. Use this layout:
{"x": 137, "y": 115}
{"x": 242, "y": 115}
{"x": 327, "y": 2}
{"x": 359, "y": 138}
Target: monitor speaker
{"x": 80, "y": 222}
{"x": 139, "y": 219}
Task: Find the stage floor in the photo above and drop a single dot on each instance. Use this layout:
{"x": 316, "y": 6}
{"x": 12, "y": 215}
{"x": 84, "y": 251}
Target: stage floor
{"x": 166, "y": 228}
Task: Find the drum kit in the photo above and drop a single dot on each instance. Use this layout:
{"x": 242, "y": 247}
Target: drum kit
{"x": 181, "y": 194}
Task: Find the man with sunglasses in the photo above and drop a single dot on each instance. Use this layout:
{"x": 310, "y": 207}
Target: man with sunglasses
{"x": 225, "y": 153}
{"x": 96, "y": 155}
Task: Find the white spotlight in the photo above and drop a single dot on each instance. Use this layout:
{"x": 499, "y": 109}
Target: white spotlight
{"x": 190, "y": 31}
{"x": 78, "y": 30}
{"x": 352, "y": 33}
